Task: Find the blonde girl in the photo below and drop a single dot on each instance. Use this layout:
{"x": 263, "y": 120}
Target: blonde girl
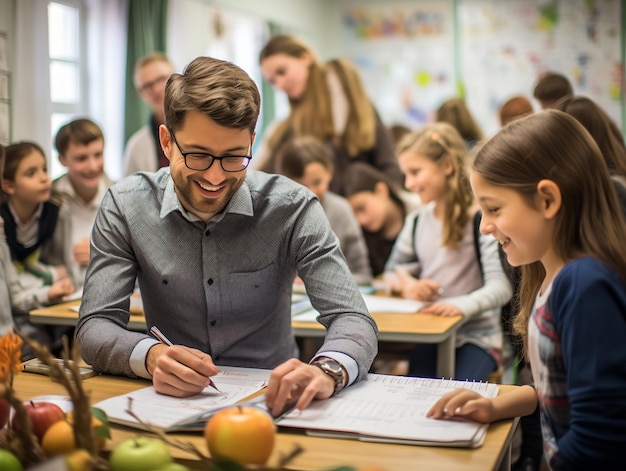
{"x": 547, "y": 196}
{"x": 440, "y": 259}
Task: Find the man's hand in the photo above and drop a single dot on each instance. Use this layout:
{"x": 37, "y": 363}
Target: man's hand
{"x": 443, "y": 309}
{"x": 179, "y": 371}
{"x": 295, "y": 378}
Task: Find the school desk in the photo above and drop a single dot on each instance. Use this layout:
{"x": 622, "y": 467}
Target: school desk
{"x": 319, "y": 453}
{"x": 392, "y": 327}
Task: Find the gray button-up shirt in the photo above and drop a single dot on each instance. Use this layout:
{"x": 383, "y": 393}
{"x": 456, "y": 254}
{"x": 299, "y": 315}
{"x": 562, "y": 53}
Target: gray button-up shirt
{"x": 223, "y": 287}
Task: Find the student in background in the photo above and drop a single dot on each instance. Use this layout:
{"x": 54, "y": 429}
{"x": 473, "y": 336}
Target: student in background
{"x": 215, "y": 249}
{"x": 573, "y": 287}
{"x": 454, "y": 111}
{"x": 6, "y": 316}
{"x": 606, "y": 134}
{"x": 143, "y": 150}
{"x": 307, "y": 161}
{"x": 79, "y": 192}
{"x": 380, "y": 207}
{"x": 397, "y": 132}
{"x": 513, "y": 108}
{"x": 437, "y": 258}
{"x": 29, "y": 224}
{"x": 328, "y": 101}
{"x": 550, "y": 88}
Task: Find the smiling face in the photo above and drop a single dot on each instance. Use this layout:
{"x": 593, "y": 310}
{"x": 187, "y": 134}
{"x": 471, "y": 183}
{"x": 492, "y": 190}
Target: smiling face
{"x": 425, "y": 177}
{"x": 85, "y": 166}
{"x": 205, "y": 193}
{"x": 31, "y": 184}
{"x": 150, "y": 81}
{"x": 287, "y": 73}
{"x": 521, "y": 228}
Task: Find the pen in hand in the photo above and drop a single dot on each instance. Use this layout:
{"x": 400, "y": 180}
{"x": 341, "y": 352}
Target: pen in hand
{"x": 161, "y": 336}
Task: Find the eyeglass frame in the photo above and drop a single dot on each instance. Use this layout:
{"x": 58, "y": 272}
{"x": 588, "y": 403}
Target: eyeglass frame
{"x": 150, "y": 85}
{"x": 213, "y": 157}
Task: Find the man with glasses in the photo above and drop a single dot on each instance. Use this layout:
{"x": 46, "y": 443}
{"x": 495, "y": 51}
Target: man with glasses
{"x": 215, "y": 249}
{"x": 143, "y": 151}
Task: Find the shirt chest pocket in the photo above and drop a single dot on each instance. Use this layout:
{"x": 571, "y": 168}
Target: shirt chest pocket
{"x": 254, "y": 291}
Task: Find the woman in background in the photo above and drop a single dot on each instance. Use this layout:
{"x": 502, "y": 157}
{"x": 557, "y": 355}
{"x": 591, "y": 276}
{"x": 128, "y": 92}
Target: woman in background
{"x": 327, "y": 101}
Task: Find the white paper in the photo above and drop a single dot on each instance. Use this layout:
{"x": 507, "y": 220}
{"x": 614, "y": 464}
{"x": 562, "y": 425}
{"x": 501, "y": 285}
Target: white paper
{"x": 166, "y": 412}
{"x": 392, "y": 408}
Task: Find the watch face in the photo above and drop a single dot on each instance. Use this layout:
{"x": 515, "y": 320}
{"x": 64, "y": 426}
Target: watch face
{"x": 332, "y": 366}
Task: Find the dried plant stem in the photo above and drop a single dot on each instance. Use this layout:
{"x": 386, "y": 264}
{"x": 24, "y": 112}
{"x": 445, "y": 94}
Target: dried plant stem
{"x": 26, "y": 445}
{"x": 73, "y": 383}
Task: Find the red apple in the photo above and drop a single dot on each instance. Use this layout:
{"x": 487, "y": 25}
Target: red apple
{"x": 139, "y": 454}
{"x": 42, "y": 416}
{"x": 4, "y": 412}
{"x": 244, "y": 434}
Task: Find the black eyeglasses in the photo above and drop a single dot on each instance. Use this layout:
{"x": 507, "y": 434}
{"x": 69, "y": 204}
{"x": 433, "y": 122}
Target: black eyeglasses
{"x": 154, "y": 83}
{"x": 204, "y": 160}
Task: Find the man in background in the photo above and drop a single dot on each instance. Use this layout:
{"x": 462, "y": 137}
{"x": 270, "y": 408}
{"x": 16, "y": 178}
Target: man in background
{"x": 143, "y": 150}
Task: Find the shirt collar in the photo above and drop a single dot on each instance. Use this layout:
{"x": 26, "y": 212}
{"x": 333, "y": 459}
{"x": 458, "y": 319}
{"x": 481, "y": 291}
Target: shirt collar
{"x": 240, "y": 203}
{"x": 64, "y": 185}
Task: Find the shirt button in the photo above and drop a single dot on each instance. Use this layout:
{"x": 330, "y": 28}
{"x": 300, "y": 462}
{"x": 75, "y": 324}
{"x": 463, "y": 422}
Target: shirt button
{"x": 207, "y": 233}
{"x": 213, "y": 322}
{"x": 210, "y": 281}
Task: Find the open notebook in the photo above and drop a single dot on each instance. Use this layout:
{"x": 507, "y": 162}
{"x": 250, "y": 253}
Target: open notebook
{"x": 392, "y": 409}
{"x": 190, "y": 413}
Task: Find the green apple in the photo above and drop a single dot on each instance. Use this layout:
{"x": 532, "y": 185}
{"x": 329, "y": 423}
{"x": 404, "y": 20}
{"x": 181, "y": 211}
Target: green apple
{"x": 9, "y": 462}
{"x": 139, "y": 454}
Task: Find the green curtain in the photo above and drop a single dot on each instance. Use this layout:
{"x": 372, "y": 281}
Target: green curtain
{"x": 147, "y": 21}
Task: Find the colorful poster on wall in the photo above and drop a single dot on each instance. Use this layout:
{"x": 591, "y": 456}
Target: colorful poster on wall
{"x": 405, "y": 51}
{"x": 505, "y": 45}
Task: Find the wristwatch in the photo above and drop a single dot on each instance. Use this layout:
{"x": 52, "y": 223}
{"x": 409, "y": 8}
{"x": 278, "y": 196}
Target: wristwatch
{"x": 333, "y": 369}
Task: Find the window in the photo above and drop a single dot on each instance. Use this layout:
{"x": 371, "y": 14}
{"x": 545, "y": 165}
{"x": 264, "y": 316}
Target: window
{"x": 67, "y": 94}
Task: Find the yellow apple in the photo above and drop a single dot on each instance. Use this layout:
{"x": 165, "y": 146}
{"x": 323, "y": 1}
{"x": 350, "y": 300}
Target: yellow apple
{"x": 244, "y": 434}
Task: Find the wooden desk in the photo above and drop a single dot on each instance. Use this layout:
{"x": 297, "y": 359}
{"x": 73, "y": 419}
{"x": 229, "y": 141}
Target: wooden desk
{"x": 64, "y": 314}
{"x": 392, "y": 327}
{"x": 320, "y": 453}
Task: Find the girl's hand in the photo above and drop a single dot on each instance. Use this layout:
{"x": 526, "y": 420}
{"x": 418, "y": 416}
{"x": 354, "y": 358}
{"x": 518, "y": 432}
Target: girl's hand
{"x": 421, "y": 290}
{"x": 442, "y": 309}
{"x": 59, "y": 289}
{"x": 81, "y": 252}
{"x": 463, "y": 403}
{"x": 61, "y": 272}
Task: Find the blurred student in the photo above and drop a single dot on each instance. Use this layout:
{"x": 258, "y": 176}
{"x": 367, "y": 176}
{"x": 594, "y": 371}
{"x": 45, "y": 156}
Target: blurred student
{"x": 329, "y": 102}
{"x": 307, "y": 161}
{"x": 573, "y": 288}
{"x": 143, "y": 150}
{"x": 6, "y": 316}
{"x": 80, "y": 144}
{"x": 440, "y": 258}
{"x": 513, "y": 108}
{"x": 454, "y": 111}
{"x": 550, "y": 88}
{"x": 380, "y": 207}
{"x": 606, "y": 134}
{"x": 29, "y": 223}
